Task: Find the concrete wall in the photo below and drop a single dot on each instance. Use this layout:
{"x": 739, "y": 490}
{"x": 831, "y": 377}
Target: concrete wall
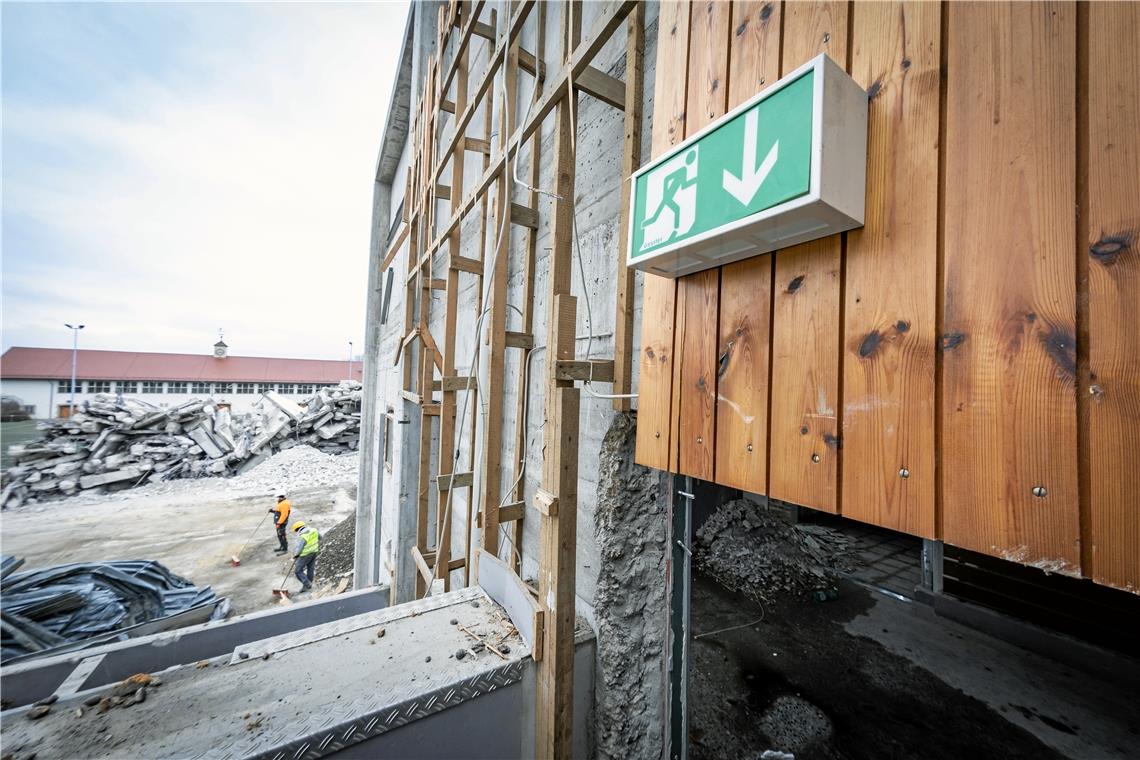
{"x": 624, "y": 674}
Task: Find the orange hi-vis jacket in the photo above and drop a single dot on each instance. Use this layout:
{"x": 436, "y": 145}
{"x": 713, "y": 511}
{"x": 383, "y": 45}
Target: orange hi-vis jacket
{"x": 283, "y": 508}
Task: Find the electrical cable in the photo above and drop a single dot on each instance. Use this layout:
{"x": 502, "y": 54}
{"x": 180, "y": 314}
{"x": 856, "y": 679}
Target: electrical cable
{"x": 731, "y": 628}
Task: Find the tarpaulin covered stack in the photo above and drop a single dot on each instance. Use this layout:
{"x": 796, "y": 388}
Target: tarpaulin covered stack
{"x": 73, "y": 606}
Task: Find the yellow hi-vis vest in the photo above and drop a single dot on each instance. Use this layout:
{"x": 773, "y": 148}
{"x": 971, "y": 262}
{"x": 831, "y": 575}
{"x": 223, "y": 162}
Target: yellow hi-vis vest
{"x": 311, "y": 539}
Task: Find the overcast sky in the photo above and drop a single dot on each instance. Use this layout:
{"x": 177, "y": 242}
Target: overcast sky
{"x": 169, "y": 169}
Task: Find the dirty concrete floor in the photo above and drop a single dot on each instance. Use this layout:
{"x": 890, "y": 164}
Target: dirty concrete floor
{"x": 867, "y": 676}
{"x": 232, "y": 707}
{"x": 195, "y": 538}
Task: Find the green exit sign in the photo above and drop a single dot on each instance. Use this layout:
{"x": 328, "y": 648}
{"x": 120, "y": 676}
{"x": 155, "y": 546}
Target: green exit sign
{"x": 786, "y": 167}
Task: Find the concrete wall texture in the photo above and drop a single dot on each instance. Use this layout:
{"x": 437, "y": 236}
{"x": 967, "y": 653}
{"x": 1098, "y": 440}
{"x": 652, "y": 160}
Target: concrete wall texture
{"x": 621, "y": 514}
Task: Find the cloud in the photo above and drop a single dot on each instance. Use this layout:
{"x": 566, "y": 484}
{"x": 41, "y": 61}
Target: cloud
{"x": 226, "y": 183}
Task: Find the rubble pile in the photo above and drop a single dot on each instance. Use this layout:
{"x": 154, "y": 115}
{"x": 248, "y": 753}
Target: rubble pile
{"x": 751, "y": 549}
{"x": 111, "y": 444}
{"x": 338, "y": 550}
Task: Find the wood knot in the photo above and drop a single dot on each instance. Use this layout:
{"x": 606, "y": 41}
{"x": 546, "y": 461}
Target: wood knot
{"x": 796, "y": 283}
{"x": 950, "y": 341}
{"x": 766, "y": 12}
{"x": 870, "y": 344}
{"x": 902, "y": 326}
{"x": 832, "y": 441}
{"x": 1062, "y": 349}
{"x": 1110, "y": 247}
{"x": 874, "y": 89}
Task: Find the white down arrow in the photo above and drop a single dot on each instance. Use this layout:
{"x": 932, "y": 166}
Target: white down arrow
{"x": 744, "y": 187}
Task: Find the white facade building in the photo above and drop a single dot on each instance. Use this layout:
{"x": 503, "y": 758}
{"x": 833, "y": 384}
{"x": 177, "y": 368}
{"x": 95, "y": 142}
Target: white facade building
{"x": 40, "y": 378}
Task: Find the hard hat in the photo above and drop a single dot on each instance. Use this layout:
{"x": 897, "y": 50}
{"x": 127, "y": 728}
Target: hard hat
{"x": 298, "y": 525}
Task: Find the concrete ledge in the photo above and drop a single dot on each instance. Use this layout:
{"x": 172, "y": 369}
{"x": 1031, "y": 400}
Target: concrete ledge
{"x": 32, "y": 681}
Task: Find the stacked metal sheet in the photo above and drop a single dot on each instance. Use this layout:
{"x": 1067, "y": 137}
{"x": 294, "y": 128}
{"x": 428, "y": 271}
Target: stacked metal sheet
{"x": 73, "y": 606}
{"x": 114, "y": 443}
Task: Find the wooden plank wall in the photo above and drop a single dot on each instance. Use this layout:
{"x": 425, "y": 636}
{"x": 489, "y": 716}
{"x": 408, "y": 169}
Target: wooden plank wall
{"x": 1109, "y": 255}
{"x": 965, "y": 366}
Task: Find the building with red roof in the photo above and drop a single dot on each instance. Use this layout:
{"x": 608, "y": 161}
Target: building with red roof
{"x": 40, "y": 378}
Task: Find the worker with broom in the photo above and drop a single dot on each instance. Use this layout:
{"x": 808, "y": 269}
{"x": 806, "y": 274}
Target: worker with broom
{"x": 305, "y": 554}
{"x": 281, "y": 519}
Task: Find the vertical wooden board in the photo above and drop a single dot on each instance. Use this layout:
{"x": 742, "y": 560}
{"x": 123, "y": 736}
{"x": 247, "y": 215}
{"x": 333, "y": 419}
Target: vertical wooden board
{"x": 671, "y": 76}
{"x": 655, "y": 381}
{"x": 805, "y": 395}
{"x": 1113, "y": 250}
{"x": 811, "y": 28}
{"x": 754, "y": 48}
{"x": 889, "y": 325}
{"x": 1009, "y": 358}
{"x": 655, "y": 362}
{"x": 694, "y": 382}
{"x": 804, "y": 459}
{"x": 742, "y": 367}
{"x": 708, "y": 63}
{"x": 697, "y": 296}
{"x": 746, "y": 286}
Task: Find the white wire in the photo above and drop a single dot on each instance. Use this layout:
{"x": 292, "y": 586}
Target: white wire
{"x": 587, "y": 384}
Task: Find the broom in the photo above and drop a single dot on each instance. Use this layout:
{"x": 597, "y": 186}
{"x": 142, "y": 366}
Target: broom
{"x": 235, "y": 560}
{"x": 280, "y": 591}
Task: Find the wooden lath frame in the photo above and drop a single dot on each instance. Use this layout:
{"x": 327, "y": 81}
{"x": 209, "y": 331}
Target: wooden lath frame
{"x": 429, "y": 361}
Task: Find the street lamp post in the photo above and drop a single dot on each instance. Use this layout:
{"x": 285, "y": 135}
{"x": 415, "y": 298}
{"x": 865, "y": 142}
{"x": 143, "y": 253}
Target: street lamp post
{"x": 74, "y": 358}
{"x": 350, "y": 360}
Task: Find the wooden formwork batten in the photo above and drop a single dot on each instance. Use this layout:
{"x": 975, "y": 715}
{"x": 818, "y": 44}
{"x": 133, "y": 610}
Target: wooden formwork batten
{"x": 445, "y": 130}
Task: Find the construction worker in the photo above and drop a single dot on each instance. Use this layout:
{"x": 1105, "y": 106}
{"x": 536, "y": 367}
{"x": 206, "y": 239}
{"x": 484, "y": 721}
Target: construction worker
{"x": 305, "y": 554}
{"x": 281, "y": 519}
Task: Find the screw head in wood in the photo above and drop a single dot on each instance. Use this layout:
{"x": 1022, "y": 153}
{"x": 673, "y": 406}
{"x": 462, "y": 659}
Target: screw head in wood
{"x": 749, "y": 447}
{"x": 700, "y": 440}
{"x": 904, "y": 473}
{"x": 657, "y": 434}
{"x": 1040, "y": 492}
{"x": 815, "y": 458}
{"x": 827, "y": 36}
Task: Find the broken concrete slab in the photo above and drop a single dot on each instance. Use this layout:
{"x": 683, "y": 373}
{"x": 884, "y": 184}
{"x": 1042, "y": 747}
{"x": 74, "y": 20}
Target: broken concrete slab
{"x": 129, "y": 473}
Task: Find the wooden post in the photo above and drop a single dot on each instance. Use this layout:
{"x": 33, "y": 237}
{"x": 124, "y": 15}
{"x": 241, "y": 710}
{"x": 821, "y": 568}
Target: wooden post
{"x": 497, "y": 335}
{"x": 630, "y": 161}
{"x": 447, "y": 408}
{"x": 555, "y": 703}
{"x": 531, "y": 241}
